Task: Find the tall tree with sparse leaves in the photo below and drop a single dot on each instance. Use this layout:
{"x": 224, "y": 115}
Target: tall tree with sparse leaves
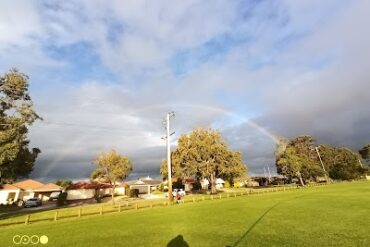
{"x": 17, "y": 114}
{"x": 112, "y": 167}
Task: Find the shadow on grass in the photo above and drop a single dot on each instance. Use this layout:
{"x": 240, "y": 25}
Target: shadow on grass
{"x": 258, "y": 220}
{"x": 252, "y": 226}
{"x": 178, "y": 241}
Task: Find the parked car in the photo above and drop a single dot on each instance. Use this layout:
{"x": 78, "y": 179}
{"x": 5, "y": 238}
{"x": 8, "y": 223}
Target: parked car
{"x": 180, "y": 191}
{"x": 32, "y": 202}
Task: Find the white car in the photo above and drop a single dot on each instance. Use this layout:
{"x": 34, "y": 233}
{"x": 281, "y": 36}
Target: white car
{"x": 32, "y": 202}
{"x": 180, "y": 191}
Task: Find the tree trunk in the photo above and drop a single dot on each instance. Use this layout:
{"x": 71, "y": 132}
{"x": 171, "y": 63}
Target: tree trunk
{"x": 213, "y": 183}
{"x": 300, "y": 178}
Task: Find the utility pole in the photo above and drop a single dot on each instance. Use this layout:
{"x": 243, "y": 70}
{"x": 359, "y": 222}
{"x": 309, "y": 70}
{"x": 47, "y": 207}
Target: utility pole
{"x": 322, "y": 164}
{"x": 169, "y": 170}
{"x": 268, "y": 168}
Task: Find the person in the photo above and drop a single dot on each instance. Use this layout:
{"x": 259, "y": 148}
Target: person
{"x": 178, "y": 197}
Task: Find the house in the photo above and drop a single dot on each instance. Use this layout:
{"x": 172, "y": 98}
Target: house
{"x": 88, "y": 190}
{"x": 145, "y": 185}
{"x": 9, "y": 194}
{"x": 26, "y": 189}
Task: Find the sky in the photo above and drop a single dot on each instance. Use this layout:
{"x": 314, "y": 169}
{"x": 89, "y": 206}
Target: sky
{"x": 103, "y": 75}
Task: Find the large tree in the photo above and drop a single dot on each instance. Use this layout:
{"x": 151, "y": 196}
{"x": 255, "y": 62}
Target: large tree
{"x": 343, "y": 163}
{"x": 204, "y": 154}
{"x": 297, "y": 157}
{"x": 16, "y": 116}
{"x": 112, "y": 167}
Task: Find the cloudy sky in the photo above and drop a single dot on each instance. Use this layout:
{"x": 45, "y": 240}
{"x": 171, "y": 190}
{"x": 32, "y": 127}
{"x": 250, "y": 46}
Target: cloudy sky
{"x": 103, "y": 74}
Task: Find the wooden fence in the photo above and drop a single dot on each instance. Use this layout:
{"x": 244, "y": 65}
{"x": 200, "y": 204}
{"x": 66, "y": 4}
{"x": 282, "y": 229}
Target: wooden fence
{"x": 103, "y": 209}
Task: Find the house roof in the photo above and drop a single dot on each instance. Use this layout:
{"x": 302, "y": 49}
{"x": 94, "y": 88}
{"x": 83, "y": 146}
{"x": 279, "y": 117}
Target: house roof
{"x": 49, "y": 186}
{"x": 8, "y": 187}
{"x": 145, "y": 182}
{"x": 153, "y": 182}
{"x": 87, "y": 185}
{"x": 28, "y": 184}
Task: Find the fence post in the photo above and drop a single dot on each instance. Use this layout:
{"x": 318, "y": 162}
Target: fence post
{"x": 151, "y": 205}
{"x": 119, "y": 207}
{"x": 136, "y": 206}
{"x": 56, "y": 216}
{"x": 79, "y": 213}
{"x": 127, "y": 204}
{"x": 101, "y": 210}
{"x": 220, "y": 196}
{"x": 193, "y": 199}
{"x": 211, "y": 197}
{"x": 27, "y": 221}
{"x": 234, "y": 194}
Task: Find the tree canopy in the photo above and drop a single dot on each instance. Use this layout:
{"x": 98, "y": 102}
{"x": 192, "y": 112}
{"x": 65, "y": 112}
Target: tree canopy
{"x": 16, "y": 115}
{"x": 365, "y": 152}
{"x": 204, "y": 154}
{"x": 112, "y": 167}
{"x": 298, "y": 158}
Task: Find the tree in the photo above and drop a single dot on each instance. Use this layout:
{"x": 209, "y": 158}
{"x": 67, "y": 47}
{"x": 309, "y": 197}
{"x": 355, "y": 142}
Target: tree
{"x": 343, "y": 163}
{"x": 63, "y": 183}
{"x": 204, "y": 154}
{"x": 303, "y": 147}
{"x": 291, "y": 163}
{"x": 365, "y": 152}
{"x": 16, "y": 116}
{"x": 112, "y": 167}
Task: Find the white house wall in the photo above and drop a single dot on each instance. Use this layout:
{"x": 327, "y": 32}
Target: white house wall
{"x": 4, "y": 194}
{"x": 80, "y": 194}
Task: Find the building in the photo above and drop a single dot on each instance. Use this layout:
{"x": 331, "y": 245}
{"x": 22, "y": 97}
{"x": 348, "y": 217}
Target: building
{"x": 87, "y": 190}
{"x": 145, "y": 185}
{"x": 23, "y": 190}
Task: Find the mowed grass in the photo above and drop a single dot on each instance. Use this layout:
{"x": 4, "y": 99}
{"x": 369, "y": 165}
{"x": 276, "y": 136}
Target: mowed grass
{"x": 334, "y": 215}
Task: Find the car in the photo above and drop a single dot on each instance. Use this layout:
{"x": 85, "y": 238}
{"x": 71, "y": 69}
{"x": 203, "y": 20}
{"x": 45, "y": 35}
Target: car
{"x": 32, "y": 202}
{"x": 180, "y": 191}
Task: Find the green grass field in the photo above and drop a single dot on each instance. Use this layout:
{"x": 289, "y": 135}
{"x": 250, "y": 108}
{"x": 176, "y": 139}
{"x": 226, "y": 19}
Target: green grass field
{"x": 334, "y": 215}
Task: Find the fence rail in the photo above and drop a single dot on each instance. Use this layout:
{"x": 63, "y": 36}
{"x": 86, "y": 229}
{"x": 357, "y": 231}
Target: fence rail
{"x": 80, "y": 212}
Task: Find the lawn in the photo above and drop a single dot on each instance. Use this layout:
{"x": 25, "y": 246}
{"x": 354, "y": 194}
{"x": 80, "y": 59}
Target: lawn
{"x": 333, "y": 215}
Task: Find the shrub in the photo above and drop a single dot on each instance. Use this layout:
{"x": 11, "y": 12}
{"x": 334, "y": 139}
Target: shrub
{"x": 237, "y": 185}
{"x": 227, "y": 184}
{"x": 62, "y": 199}
{"x": 197, "y": 186}
{"x": 134, "y": 193}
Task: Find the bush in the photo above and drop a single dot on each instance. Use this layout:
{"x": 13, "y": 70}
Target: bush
{"x": 62, "y": 199}
{"x": 227, "y": 184}
{"x": 237, "y": 185}
{"x": 134, "y": 193}
{"x": 197, "y": 186}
